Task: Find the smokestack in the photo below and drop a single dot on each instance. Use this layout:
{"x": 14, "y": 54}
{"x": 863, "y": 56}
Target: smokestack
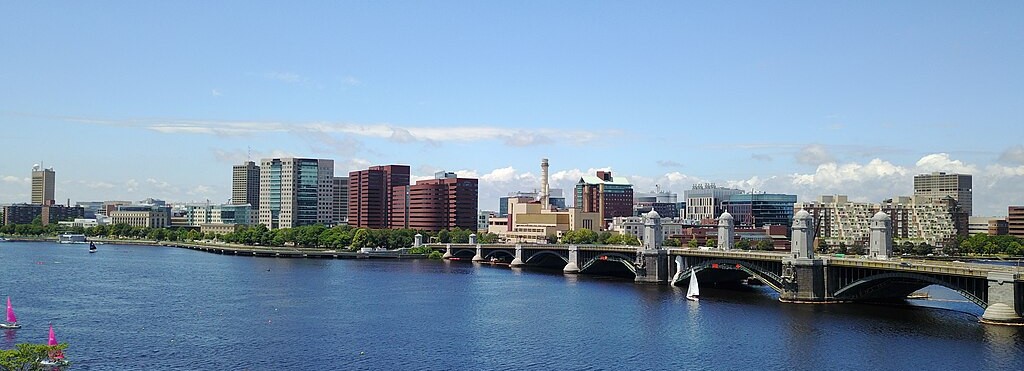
{"x": 544, "y": 191}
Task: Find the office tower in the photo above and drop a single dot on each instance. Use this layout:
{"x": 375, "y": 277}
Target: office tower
{"x": 340, "y": 216}
{"x": 296, "y": 192}
{"x": 442, "y": 203}
{"x": 245, "y": 184}
{"x": 934, "y": 186}
{"x": 370, "y": 195}
{"x": 42, "y": 185}
{"x": 604, "y": 194}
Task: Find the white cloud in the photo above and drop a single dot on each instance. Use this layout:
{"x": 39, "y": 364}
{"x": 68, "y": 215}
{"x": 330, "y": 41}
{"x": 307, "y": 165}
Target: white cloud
{"x": 216, "y": 93}
{"x": 1013, "y": 155}
{"x": 16, "y": 180}
{"x": 942, "y": 162}
{"x": 286, "y": 77}
{"x": 814, "y": 154}
{"x": 401, "y": 134}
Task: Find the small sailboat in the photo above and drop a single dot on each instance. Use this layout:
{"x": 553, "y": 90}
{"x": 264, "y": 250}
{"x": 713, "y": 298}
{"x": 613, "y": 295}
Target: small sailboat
{"x": 92, "y": 247}
{"x": 12, "y": 320}
{"x": 694, "y": 291}
{"x": 56, "y": 357}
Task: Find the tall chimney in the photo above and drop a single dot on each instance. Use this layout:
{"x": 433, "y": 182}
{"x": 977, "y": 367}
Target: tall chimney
{"x": 544, "y": 191}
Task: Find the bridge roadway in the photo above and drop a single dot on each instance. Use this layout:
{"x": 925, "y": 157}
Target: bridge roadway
{"x": 997, "y": 289}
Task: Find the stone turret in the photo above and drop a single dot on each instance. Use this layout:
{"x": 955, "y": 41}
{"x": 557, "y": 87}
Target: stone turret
{"x": 726, "y": 231}
{"x": 880, "y": 240}
{"x": 803, "y": 235}
{"x": 652, "y": 231}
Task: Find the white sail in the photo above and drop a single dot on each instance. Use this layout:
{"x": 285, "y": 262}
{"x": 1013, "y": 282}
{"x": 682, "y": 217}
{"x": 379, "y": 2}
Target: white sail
{"x": 694, "y": 291}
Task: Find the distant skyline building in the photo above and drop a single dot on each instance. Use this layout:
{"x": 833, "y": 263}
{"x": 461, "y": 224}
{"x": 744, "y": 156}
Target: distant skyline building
{"x": 442, "y": 203}
{"x": 245, "y": 184}
{"x": 705, "y": 202}
{"x": 43, "y": 181}
{"x": 371, "y": 195}
{"x": 664, "y": 202}
{"x": 1015, "y": 221}
{"x": 938, "y": 184}
{"x": 914, "y": 219}
{"x": 556, "y": 199}
{"x": 340, "y": 215}
{"x": 149, "y": 216}
{"x": 604, "y": 194}
{"x": 761, "y": 209}
{"x": 27, "y": 213}
{"x": 296, "y": 191}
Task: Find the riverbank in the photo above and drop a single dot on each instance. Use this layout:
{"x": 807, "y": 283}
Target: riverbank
{"x": 244, "y": 250}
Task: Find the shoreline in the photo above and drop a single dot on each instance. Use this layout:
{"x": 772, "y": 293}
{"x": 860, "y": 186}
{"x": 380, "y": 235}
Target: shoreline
{"x": 243, "y": 250}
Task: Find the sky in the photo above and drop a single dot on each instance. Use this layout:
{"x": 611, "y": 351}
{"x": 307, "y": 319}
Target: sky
{"x": 134, "y": 99}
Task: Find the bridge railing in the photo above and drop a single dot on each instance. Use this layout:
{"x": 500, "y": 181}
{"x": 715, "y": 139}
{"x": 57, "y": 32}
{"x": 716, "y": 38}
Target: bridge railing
{"x": 771, "y": 256}
{"x": 960, "y": 269}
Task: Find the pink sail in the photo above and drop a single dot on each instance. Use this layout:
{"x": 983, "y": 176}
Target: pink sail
{"x": 53, "y": 339}
{"x": 11, "y": 318}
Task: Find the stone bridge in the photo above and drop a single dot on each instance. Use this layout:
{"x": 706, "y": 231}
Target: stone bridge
{"x": 798, "y": 275}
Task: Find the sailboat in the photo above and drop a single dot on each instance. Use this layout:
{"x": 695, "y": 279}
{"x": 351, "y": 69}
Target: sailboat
{"x": 694, "y": 291}
{"x": 56, "y": 356}
{"x": 92, "y": 247}
{"x": 12, "y": 320}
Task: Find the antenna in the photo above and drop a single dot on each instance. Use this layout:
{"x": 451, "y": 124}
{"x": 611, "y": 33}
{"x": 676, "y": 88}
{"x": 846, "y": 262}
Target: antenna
{"x": 248, "y": 154}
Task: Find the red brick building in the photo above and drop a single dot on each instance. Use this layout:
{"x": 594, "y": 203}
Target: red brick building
{"x": 445, "y": 202}
{"x": 371, "y": 192}
{"x": 604, "y": 194}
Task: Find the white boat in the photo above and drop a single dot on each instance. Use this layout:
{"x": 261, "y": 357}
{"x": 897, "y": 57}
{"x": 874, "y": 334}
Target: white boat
{"x": 694, "y": 291}
{"x": 71, "y": 238}
{"x": 12, "y": 320}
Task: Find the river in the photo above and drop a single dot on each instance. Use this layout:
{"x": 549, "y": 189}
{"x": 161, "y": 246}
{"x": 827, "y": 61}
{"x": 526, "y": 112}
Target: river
{"x": 139, "y": 307}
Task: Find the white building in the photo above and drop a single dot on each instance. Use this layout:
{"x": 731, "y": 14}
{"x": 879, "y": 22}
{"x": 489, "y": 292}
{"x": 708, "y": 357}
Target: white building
{"x": 296, "y": 192}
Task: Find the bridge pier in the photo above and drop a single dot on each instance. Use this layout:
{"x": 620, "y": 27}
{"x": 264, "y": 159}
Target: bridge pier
{"x": 572, "y": 267}
{"x": 804, "y": 281}
{"x": 1004, "y": 300}
{"x": 447, "y": 252}
{"x": 479, "y": 257}
{"x": 653, "y": 267}
{"x": 518, "y": 260}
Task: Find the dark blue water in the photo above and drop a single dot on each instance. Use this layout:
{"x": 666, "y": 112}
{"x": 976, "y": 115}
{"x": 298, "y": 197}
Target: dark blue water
{"x": 130, "y": 307}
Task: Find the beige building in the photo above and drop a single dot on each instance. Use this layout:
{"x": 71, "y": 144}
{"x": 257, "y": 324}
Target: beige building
{"x": 914, "y": 219}
{"x": 937, "y": 185}
{"x": 42, "y": 186}
{"x": 245, "y": 184}
{"x": 528, "y": 222}
{"x": 156, "y": 217}
{"x": 634, "y": 225}
{"x": 296, "y": 192}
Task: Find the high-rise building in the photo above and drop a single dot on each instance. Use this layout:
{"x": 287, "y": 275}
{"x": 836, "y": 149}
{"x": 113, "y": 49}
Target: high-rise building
{"x": 1015, "y": 221}
{"x": 664, "y": 202}
{"x": 296, "y": 192}
{"x": 705, "y": 202}
{"x": 915, "y": 219}
{"x": 340, "y": 201}
{"x": 937, "y": 185}
{"x": 42, "y": 185}
{"x": 604, "y": 194}
{"x": 245, "y": 184}
{"x": 761, "y": 209}
{"x": 442, "y": 203}
{"x": 371, "y": 195}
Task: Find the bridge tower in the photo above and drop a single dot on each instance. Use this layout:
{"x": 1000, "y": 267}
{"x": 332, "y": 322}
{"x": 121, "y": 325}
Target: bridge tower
{"x": 803, "y": 276}
{"x": 652, "y": 263}
{"x": 726, "y": 231}
{"x": 880, "y": 240}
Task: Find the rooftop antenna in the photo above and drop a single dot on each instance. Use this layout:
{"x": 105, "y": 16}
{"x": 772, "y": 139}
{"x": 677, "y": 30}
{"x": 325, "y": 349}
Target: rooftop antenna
{"x": 248, "y": 153}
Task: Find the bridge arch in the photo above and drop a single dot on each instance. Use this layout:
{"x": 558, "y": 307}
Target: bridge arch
{"x": 463, "y": 252}
{"x": 500, "y": 252}
{"x": 542, "y": 253}
{"x": 611, "y": 257}
{"x": 771, "y": 279}
{"x": 864, "y": 287}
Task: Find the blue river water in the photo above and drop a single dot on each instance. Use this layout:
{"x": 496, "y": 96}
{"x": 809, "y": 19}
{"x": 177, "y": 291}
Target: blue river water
{"x": 161, "y": 308}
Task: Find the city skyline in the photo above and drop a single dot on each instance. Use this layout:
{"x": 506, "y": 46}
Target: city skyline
{"x": 839, "y": 99}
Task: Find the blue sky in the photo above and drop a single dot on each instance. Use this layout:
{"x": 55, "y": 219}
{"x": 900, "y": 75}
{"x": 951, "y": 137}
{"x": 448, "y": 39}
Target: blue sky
{"x": 128, "y": 100}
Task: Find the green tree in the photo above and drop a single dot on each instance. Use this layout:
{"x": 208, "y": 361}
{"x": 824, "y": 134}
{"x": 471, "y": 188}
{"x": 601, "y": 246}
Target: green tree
{"x": 360, "y": 238}
{"x": 743, "y": 244}
{"x": 765, "y": 245}
{"x": 673, "y": 242}
{"x": 711, "y": 242}
{"x": 692, "y": 243}
{"x": 444, "y": 237}
{"x": 856, "y": 249}
{"x": 923, "y": 249}
{"x": 27, "y": 356}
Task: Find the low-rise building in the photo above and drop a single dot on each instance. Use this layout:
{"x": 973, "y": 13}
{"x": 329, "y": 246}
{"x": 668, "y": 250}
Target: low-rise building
{"x": 634, "y": 225}
{"x": 27, "y": 213}
{"x": 1015, "y": 221}
{"x": 150, "y": 216}
{"x": 228, "y": 214}
{"x": 914, "y": 219}
{"x": 528, "y": 222}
